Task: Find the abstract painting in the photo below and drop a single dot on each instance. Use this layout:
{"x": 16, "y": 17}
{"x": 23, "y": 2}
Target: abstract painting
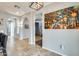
{"x": 67, "y": 18}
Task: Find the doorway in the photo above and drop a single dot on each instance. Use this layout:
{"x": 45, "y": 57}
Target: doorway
{"x": 10, "y": 31}
{"x": 38, "y": 33}
{"x": 11, "y": 27}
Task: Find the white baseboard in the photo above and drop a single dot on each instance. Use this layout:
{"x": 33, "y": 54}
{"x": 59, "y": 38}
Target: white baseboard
{"x": 54, "y": 51}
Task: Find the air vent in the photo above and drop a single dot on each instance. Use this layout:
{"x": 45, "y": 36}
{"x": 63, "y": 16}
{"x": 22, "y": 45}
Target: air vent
{"x": 16, "y": 6}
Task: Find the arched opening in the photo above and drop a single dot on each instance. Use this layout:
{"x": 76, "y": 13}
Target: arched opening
{"x": 24, "y": 29}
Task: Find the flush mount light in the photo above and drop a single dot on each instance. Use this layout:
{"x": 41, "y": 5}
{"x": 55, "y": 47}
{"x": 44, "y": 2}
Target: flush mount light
{"x": 36, "y": 5}
{"x": 18, "y": 8}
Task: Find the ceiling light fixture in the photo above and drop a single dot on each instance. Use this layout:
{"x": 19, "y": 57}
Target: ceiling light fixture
{"x": 17, "y": 9}
{"x": 36, "y": 5}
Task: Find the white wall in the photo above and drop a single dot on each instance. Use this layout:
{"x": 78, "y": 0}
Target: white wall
{"x": 65, "y": 42}
{"x": 53, "y": 39}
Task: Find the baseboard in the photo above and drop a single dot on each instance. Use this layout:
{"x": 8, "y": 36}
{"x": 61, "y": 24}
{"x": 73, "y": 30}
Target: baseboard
{"x": 54, "y": 51}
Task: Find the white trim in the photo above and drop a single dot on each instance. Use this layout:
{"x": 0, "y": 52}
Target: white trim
{"x": 54, "y": 51}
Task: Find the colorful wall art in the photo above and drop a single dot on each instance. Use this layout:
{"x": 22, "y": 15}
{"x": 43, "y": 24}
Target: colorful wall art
{"x": 67, "y": 18}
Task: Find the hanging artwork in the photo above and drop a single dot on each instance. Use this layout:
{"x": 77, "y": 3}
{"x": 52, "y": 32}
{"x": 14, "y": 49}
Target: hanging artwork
{"x": 26, "y": 23}
{"x": 26, "y": 26}
{"x": 67, "y": 18}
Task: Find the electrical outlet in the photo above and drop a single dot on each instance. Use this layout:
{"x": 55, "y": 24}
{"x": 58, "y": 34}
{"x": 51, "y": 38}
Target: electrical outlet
{"x": 61, "y": 47}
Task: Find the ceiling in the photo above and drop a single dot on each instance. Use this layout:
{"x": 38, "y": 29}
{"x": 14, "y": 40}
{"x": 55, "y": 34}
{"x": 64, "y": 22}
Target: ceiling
{"x": 8, "y": 7}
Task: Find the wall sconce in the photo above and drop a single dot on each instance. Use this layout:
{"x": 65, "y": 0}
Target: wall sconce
{"x": 36, "y": 5}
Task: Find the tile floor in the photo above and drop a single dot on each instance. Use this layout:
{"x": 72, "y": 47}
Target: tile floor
{"x": 22, "y": 48}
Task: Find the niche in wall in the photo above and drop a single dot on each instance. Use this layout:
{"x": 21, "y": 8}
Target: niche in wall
{"x": 67, "y": 18}
{"x": 26, "y": 23}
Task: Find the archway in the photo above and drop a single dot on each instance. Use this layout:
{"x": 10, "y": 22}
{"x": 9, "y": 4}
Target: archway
{"x": 24, "y": 29}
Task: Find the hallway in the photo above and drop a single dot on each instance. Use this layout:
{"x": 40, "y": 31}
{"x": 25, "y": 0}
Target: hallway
{"x": 22, "y": 48}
